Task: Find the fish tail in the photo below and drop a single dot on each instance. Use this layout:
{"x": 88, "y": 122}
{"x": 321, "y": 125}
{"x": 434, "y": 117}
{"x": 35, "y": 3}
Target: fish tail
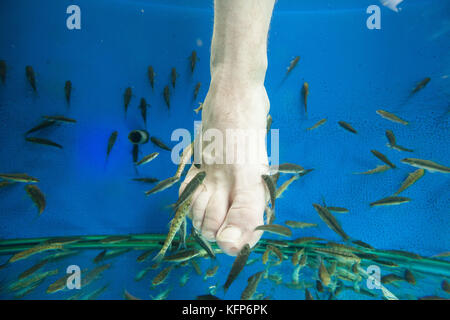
{"x": 158, "y": 258}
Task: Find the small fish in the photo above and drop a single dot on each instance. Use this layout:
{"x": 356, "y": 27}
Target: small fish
{"x": 409, "y": 277}
{"x": 445, "y": 286}
{"x": 200, "y": 107}
{"x": 332, "y": 268}
{"x": 392, "y": 117}
{"x": 94, "y": 294}
{"x": 196, "y": 90}
{"x": 272, "y": 189}
{"x": 265, "y": 256}
{"x": 305, "y": 92}
{"x": 190, "y": 188}
{"x": 410, "y": 180}
{"x": 175, "y": 225}
{"x": 68, "y": 90}
{"x": 391, "y": 138}
{"x": 297, "y": 256}
{"x": 3, "y": 70}
{"x": 42, "y": 125}
{"x": 318, "y": 124}
{"x": 160, "y": 277}
{"x": 61, "y": 255}
{"x": 378, "y": 169}
{"x": 392, "y": 142}
{"x": 141, "y": 274}
{"x": 276, "y": 229}
{"x": 400, "y": 148}
{"x": 111, "y": 142}
{"x": 193, "y": 58}
{"x": 114, "y": 239}
{"x": 33, "y": 269}
{"x": 292, "y": 65}
{"x": 426, "y": 164}
{"x": 238, "y": 265}
{"x": 37, "y": 196}
{"x": 147, "y": 159}
{"x": 183, "y": 255}
{"x": 252, "y": 284}
{"x": 173, "y": 76}
{"x": 60, "y": 119}
{"x": 299, "y": 225}
{"x": 383, "y": 158}
{"x": 337, "y": 209}
{"x": 18, "y": 177}
{"x": 185, "y": 278}
{"x": 324, "y": 276}
{"x": 162, "y": 295}
{"x": 420, "y": 85}
{"x": 196, "y": 267}
{"x": 184, "y": 158}
{"x": 127, "y": 98}
{"x": 34, "y": 250}
{"x": 307, "y": 239}
{"x": 330, "y": 220}
{"x": 269, "y": 123}
{"x": 362, "y": 244}
{"x": 278, "y": 243}
{"x": 44, "y": 142}
{"x": 151, "y": 76}
{"x": 390, "y": 278}
{"x": 166, "y": 95}
{"x": 285, "y": 185}
{"x": 211, "y": 272}
{"x": 5, "y": 183}
{"x": 58, "y": 285}
{"x": 160, "y": 144}
{"x": 98, "y": 258}
{"x": 29, "y": 72}
{"x": 143, "y": 107}
{"x": 385, "y": 263}
{"x": 93, "y": 275}
{"x": 308, "y": 295}
{"x": 290, "y": 168}
{"x": 163, "y": 185}
{"x": 31, "y": 280}
{"x": 347, "y": 126}
{"x": 135, "y": 152}
{"x": 144, "y": 255}
{"x": 146, "y": 180}
{"x": 390, "y": 201}
{"x": 129, "y": 296}
{"x": 183, "y": 234}
{"x": 319, "y": 286}
{"x": 203, "y": 243}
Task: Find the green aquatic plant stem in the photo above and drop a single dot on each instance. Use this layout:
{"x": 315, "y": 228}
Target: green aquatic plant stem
{"x": 155, "y": 241}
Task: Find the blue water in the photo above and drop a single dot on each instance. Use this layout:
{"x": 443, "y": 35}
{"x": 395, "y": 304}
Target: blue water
{"x": 352, "y": 72}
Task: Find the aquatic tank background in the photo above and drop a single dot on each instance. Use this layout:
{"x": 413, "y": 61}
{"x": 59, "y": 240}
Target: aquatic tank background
{"x": 352, "y": 72}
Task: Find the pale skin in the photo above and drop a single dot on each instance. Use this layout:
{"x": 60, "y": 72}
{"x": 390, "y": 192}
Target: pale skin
{"x": 230, "y": 203}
